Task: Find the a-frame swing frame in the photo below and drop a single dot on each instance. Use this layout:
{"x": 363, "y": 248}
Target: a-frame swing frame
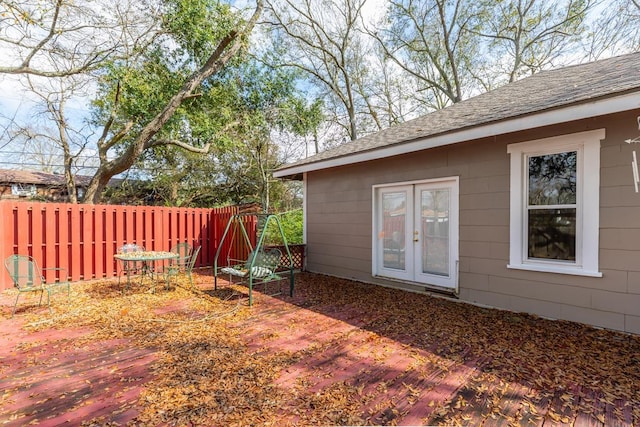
{"x": 249, "y": 277}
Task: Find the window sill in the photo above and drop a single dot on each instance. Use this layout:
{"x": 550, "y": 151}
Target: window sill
{"x": 555, "y": 269}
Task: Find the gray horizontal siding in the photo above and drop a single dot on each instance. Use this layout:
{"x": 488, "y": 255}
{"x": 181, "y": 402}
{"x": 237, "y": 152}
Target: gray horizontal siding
{"x": 339, "y": 215}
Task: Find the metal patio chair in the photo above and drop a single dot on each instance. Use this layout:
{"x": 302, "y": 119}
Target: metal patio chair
{"x": 184, "y": 251}
{"x": 28, "y": 277}
{"x": 187, "y": 268}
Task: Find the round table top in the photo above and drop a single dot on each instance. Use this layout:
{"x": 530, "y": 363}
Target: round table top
{"x": 146, "y": 255}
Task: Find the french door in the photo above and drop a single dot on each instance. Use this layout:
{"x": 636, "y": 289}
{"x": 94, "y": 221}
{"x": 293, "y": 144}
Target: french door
{"x": 416, "y": 232}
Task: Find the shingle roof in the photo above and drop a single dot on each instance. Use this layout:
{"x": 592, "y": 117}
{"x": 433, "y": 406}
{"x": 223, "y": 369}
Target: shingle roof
{"x": 10, "y": 176}
{"x": 39, "y": 178}
{"x": 544, "y": 91}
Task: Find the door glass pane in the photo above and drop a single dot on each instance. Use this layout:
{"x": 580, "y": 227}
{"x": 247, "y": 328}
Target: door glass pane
{"x": 394, "y": 209}
{"x": 552, "y": 179}
{"x": 434, "y": 229}
{"x": 552, "y": 234}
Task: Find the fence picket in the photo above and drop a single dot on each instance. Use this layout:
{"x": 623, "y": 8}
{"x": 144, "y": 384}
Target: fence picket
{"x": 98, "y": 242}
{"x": 84, "y": 238}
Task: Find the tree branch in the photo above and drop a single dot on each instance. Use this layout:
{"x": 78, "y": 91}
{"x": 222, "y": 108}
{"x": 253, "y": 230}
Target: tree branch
{"x": 227, "y": 48}
{"x": 160, "y": 142}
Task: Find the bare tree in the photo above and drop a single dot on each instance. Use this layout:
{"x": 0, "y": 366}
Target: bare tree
{"x": 526, "y": 36}
{"x": 30, "y": 145}
{"x": 431, "y": 42}
{"x": 322, "y": 40}
{"x": 615, "y": 31}
{"x": 49, "y": 141}
{"x": 72, "y": 142}
{"x": 55, "y": 38}
{"x": 453, "y": 49}
{"x": 54, "y": 46}
{"x": 388, "y": 93}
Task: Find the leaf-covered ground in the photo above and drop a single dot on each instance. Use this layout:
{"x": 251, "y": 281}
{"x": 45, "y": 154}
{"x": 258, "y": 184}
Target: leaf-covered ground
{"x": 338, "y": 353}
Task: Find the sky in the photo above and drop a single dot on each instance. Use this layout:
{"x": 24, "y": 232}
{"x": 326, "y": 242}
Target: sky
{"x": 15, "y": 101}
{"x": 103, "y": 33}
{"x": 21, "y": 104}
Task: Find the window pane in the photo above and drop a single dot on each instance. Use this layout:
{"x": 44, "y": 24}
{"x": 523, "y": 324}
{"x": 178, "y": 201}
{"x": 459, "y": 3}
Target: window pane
{"x": 552, "y": 234}
{"x": 394, "y": 206}
{"x": 552, "y": 179}
{"x": 435, "y": 231}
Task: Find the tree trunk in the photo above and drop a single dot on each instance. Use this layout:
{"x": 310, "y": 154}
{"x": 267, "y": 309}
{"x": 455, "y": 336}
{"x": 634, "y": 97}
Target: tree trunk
{"x": 226, "y": 50}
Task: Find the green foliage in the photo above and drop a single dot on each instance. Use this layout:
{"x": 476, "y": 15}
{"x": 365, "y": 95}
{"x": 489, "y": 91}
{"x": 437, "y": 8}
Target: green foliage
{"x": 136, "y": 91}
{"x": 237, "y": 112}
{"x": 292, "y": 227}
{"x": 232, "y": 112}
{"x": 198, "y": 25}
{"x": 257, "y": 100}
{"x": 304, "y": 118}
{"x": 138, "y": 88}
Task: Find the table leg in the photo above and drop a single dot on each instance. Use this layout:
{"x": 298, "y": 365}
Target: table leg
{"x": 127, "y": 271}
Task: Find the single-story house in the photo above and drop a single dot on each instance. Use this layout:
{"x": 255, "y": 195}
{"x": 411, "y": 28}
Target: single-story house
{"x": 523, "y": 198}
{"x": 45, "y": 186}
{"x": 16, "y": 184}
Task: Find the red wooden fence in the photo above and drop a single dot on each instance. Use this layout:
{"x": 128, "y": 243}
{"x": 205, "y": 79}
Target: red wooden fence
{"x": 83, "y": 238}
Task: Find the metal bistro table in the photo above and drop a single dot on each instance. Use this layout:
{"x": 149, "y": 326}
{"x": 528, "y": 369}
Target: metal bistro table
{"x": 150, "y": 259}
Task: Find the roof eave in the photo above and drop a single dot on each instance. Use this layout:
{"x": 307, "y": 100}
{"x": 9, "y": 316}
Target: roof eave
{"x": 610, "y": 105}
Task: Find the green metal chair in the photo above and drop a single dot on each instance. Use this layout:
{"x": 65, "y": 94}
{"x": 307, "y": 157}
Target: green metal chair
{"x": 27, "y": 277}
{"x": 187, "y": 268}
{"x": 184, "y": 251}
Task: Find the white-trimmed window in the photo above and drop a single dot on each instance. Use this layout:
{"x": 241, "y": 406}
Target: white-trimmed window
{"x": 23, "y": 190}
{"x": 554, "y": 209}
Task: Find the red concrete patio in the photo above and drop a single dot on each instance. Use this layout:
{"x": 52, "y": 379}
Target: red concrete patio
{"x": 337, "y": 353}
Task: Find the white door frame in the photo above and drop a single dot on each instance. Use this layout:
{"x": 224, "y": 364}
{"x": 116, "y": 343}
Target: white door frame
{"x": 404, "y": 256}
{"x": 412, "y": 271}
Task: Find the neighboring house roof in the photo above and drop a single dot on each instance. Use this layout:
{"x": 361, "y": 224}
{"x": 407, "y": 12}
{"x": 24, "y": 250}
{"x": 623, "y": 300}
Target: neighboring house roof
{"x": 546, "y": 98}
{"x": 8, "y": 176}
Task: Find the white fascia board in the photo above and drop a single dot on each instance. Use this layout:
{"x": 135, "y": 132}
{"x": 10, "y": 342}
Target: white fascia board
{"x": 617, "y": 104}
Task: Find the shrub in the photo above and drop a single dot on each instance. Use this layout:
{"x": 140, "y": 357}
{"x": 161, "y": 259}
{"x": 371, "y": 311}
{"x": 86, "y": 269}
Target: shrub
{"x": 292, "y": 224}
